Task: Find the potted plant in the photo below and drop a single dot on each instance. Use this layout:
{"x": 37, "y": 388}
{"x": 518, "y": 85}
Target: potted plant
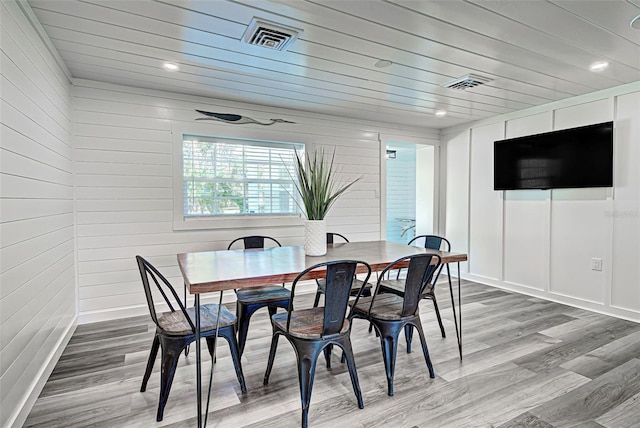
{"x": 318, "y": 188}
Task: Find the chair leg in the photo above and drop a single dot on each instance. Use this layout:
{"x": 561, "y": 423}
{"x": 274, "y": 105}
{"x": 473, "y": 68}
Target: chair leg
{"x": 186, "y": 349}
{"x": 152, "y": 359}
{"x": 435, "y": 306}
{"x": 243, "y": 314}
{"x": 171, "y": 350}
{"x": 272, "y": 311}
{"x": 389, "y": 342}
{"x": 408, "y": 334}
{"x": 327, "y": 354}
{"x": 347, "y": 353}
{"x": 242, "y": 326}
{"x": 272, "y": 355}
{"x": 316, "y": 301}
{"x": 211, "y": 343}
{"x": 307, "y": 356}
{"x": 425, "y": 350}
{"x": 227, "y": 333}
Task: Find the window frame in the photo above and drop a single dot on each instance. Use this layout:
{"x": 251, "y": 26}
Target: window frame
{"x": 182, "y": 222}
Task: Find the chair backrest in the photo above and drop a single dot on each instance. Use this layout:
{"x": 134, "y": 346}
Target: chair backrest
{"x": 419, "y": 275}
{"x": 331, "y": 237}
{"x": 255, "y": 241}
{"x": 148, "y": 271}
{"x": 434, "y": 242}
{"x": 339, "y": 276}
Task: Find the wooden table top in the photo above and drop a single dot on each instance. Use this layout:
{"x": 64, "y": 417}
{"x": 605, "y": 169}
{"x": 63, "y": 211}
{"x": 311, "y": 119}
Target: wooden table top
{"x": 211, "y": 271}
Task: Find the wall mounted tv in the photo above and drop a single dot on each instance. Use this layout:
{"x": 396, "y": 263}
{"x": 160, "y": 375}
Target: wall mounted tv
{"x": 570, "y": 158}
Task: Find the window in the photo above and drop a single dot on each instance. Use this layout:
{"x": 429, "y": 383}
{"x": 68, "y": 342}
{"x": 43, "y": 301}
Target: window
{"x": 232, "y": 177}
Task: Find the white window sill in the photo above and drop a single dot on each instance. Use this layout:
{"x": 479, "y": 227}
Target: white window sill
{"x": 235, "y": 222}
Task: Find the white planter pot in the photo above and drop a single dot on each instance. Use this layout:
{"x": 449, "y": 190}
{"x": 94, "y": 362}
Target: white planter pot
{"x": 315, "y": 237}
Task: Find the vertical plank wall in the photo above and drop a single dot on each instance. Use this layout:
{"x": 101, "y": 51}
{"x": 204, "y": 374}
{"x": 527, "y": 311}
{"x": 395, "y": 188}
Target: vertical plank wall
{"x": 38, "y": 291}
{"x": 542, "y": 242}
{"x": 124, "y": 185}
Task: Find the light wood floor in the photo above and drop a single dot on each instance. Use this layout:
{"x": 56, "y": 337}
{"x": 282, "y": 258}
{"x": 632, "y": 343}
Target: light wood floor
{"x": 527, "y": 362}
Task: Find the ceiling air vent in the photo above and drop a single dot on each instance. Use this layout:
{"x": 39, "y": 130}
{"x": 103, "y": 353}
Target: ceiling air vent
{"x": 466, "y": 82}
{"x": 270, "y": 35}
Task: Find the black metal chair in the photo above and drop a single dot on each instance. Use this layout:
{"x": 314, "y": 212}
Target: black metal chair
{"x": 249, "y": 300}
{"x": 390, "y": 313}
{"x": 431, "y": 242}
{"x": 357, "y": 283}
{"x": 310, "y": 331}
{"x": 175, "y": 330}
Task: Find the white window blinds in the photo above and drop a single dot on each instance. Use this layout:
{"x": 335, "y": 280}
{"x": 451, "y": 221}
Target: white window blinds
{"x": 223, "y": 176}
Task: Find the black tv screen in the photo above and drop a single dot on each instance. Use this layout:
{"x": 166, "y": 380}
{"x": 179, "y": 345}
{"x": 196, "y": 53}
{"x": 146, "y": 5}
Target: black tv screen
{"x": 577, "y": 157}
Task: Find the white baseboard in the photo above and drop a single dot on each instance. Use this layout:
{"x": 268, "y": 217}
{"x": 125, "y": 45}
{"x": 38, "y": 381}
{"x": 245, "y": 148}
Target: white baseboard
{"x": 138, "y": 310}
{"x": 600, "y": 308}
{"x": 20, "y": 414}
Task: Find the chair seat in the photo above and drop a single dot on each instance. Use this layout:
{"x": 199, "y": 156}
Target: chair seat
{"x": 305, "y": 323}
{"x": 355, "y": 286}
{"x": 397, "y": 286}
{"x": 393, "y": 285}
{"x": 385, "y": 307}
{"x": 175, "y": 323}
{"x": 266, "y": 293}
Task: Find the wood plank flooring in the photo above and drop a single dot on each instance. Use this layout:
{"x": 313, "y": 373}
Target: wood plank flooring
{"x": 527, "y": 363}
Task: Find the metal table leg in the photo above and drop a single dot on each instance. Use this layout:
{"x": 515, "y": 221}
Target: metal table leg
{"x": 213, "y": 359}
{"x": 198, "y": 361}
{"x": 186, "y": 349}
{"x": 457, "y": 319}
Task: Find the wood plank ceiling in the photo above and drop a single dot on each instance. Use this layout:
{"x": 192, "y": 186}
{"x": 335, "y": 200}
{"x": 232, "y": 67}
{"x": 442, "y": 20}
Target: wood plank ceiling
{"x": 534, "y": 52}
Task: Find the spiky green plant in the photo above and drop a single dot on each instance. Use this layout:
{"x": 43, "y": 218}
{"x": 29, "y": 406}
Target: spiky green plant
{"x": 317, "y": 185}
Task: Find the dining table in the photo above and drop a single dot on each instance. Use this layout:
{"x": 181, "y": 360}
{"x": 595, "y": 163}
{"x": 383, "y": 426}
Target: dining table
{"x": 219, "y": 271}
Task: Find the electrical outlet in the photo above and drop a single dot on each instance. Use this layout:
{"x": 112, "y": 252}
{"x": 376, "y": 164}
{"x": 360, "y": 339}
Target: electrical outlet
{"x": 596, "y": 264}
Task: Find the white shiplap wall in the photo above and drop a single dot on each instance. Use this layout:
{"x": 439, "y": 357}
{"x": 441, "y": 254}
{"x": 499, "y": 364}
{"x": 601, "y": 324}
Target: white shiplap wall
{"x": 38, "y": 287}
{"x": 123, "y": 162}
{"x": 542, "y": 242}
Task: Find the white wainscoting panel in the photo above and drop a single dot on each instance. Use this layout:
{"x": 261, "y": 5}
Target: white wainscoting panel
{"x": 526, "y": 238}
{"x": 37, "y": 271}
{"x": 583, "y": 114}
{"x": 550, "y": 237}
{"x": 625, "y": 286}
{"x": 457, "y": 193}
{"x": 580, "y": 229}
{"x": 526, "y": 218}
{"x": 579, "y": 232}
{"x": 485, "y": 223}
{"x": 426, "y": 158}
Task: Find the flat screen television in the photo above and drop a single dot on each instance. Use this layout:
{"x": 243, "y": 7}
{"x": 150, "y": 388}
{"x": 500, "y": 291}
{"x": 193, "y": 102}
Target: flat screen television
{"x": 570, "y": 158}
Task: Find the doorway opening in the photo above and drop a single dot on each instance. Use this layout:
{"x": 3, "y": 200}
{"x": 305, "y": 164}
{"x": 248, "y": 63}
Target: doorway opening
{"x": 410, "y": 191}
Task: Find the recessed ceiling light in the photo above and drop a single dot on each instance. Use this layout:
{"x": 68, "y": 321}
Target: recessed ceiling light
{"x": 383, "y": 63}
{"x": 599, "y": 66}
{"x": 441, "y": 113}
{"x": 170, "y": 66}
{"x": 635, "y": 23}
